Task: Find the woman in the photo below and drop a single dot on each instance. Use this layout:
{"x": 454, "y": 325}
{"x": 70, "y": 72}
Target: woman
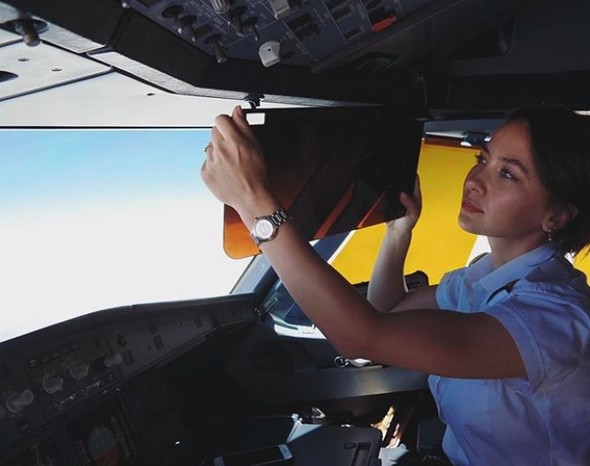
{"x": 510, "y": 353}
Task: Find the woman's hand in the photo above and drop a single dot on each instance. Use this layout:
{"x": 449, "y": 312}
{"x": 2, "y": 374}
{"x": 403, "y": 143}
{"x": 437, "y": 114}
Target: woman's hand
{"x": 235, "y": 169}
{"x": 387, "y": 288}
{"x": 413, "y": 204}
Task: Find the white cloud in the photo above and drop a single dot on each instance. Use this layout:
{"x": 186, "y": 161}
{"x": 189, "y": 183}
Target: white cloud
{"x": 55, "y": 267}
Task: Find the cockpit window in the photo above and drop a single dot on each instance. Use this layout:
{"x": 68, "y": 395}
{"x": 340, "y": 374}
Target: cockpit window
{"x": 94, "y": 219}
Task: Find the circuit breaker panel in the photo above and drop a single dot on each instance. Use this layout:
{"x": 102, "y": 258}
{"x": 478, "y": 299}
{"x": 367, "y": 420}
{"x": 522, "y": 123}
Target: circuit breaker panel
{"x": 290, "y": 32}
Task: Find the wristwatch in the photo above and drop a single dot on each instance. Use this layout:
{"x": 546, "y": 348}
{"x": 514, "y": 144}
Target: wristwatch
{"x": 266, "y": 228}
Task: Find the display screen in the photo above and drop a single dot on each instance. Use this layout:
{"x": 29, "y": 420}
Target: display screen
{"x": 335, "y": 169}
{"x": 102, "y": 437}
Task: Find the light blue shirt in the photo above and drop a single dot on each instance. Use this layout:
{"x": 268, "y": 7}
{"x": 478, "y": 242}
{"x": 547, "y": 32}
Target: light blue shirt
{"x": 544, "y": 303}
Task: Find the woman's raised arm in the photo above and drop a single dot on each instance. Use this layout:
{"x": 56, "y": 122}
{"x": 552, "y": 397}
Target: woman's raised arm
{"x": 445, "y": 343}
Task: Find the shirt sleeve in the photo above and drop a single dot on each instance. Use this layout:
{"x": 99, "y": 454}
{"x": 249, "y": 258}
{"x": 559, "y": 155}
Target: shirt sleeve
{"x": 446, "y": 291}
{"x": 550, "y": 331}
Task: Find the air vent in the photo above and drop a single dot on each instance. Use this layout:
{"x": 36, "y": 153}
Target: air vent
{"x": 7, "y": 76}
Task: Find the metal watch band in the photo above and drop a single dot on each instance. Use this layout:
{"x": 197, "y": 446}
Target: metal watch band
{"x": 278, "y": 217}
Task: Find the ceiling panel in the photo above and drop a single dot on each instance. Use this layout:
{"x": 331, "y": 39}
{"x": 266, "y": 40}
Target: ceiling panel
{"x": 42, "y": 67}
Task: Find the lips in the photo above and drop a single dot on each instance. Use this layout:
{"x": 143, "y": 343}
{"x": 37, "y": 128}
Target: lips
{"x": 470, "y": 207}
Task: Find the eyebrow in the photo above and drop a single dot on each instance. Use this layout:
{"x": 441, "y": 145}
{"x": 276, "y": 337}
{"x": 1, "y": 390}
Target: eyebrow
{"x": 509, "y": 160}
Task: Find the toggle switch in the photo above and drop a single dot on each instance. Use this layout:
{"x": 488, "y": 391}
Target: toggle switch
{"x": 187, "y": 23}
{"x": 235, "y": 20}
{"x": 215, "y": 42}
{"x": 173, "y": 12}
{"x": 250, "y": 24}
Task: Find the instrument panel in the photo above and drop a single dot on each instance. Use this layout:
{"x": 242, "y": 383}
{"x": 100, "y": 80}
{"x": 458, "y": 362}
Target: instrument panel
{"x": 48, "y": 377}
{"x": 295, "y": 32}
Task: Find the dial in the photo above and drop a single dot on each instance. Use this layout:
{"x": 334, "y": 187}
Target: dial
{"x": 52, "y": 383}
{"x": 15, "y": 401}
{"x": 264, "y": 229}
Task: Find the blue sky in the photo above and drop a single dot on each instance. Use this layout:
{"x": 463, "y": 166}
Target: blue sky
{"x": 64, "y": 167}
{"x": 91, "y": 220}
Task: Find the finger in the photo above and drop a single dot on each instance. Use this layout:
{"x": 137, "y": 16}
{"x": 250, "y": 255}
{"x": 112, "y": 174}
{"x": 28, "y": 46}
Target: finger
{"x": 227, "y": 127}
{"x": 414, "y": 198}
{"x": 205, "y": 173}
{"x": 417, "y": 191}
{"x": 410, "y": 203}
{"x": 217, "y": 141}
{"x": 239, "y": 118}
{"x": 406, "y": 200}
{"x": 208, "y": 150}
{"x": 216, "y": 136}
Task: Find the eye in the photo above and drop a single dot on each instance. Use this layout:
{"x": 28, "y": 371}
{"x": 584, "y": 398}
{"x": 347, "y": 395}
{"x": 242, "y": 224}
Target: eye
{"x": 508, "y": 174}
{"x": 480, "y": 159}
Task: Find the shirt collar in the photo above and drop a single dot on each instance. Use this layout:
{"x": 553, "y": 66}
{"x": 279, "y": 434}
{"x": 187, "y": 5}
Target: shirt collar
{"x": 493, "y": 279}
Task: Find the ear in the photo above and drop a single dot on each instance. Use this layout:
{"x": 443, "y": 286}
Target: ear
{"x": 561, "y": 215}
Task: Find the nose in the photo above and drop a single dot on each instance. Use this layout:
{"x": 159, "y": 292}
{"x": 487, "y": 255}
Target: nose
{"x": 474, "y": 181}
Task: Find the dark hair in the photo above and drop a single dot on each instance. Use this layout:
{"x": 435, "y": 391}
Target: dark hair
{"x": 560, "y": 145}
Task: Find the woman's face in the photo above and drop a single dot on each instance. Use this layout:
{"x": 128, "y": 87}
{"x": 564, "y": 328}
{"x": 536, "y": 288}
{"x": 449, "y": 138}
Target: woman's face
{"x": 503, "y": 197}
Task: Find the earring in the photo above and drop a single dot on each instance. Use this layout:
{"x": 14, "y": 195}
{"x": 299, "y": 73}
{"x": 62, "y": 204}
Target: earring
{"x": 550, "y": 234}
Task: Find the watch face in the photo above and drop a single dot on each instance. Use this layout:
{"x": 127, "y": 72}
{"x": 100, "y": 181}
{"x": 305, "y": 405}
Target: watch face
{"x": 263, "y": 229}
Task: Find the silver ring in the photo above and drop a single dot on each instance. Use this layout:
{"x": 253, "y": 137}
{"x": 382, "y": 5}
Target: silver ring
{"x": 207, "y": 147}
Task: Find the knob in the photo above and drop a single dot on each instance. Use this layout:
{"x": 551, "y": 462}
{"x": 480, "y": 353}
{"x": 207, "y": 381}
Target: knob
{"x": 220, "y": 6}
{"x": 15, "y": 401}
{"x": 79, "y": 371}
{"x": 113, "y": 360}
{"x": 52, "y": 383}
{"x": 215, "y": 42}
{"x": 29, "y": 29}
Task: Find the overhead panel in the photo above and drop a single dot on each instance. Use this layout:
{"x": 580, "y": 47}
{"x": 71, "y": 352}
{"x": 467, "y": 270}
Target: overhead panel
{"x": 7, "y": 37}
{"x": 30, "y": 69}
{"x": 295, "y": 32}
